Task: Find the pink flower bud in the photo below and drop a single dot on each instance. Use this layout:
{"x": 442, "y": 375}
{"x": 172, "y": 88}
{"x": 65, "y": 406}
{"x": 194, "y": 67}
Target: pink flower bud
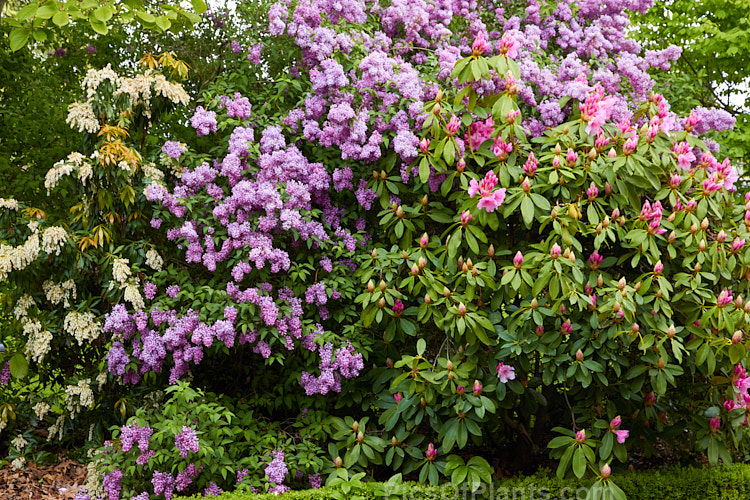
{"x": 518, "y": 260}
{"x": 398, "y": 308}
{"x": 737, "y": 337}
{"x": 539, "y": 330}
{"x": 658, "y": 268}
{"x": 477, "y": 388}
{"x": 465, "y": 218}
{"x": 531, "y": 165}
{"x": 612, "y": 153}
{"x": 480, "y": 45}
{"x": 460, "y": 390}
{"x": 424, "y": 145}
{"x": 606, "y": 471}
{"x": 461, "y": 309}
{"x": 555, "y": 251}
{"x": 737, "y": 244}
{"x": 566, "y": 328}
{"x": 423, "y": 241}
{"x": 452, "y": 128}
{"x": 571, "y": 157}
{"x": 398, "y": 397}
{"x": 714, "y": 424}
{"x": 513, "y": 115}
{"x": 592, "y": 191}
{"x": 650, "y": 399}
{"x": 431, "y": 453}
{"x": 580, "y": 436}
{"x": 579, "y": 355}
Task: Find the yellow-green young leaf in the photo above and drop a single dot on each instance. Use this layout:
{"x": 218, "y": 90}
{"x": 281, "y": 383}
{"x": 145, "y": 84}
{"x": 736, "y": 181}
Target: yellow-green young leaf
{"x": 145, "y": 17}
{"x": 199, "y": 6}
{"x": 61, "y": 19}
{"x": 98, "y": 26}
{"x": 27, "y": 12}
{"x": 47, "y": 10}
{"x": 89, "y": 4}
{"x": 104, "y": 13}
{"x": 39, "y": 35}
{"x": 163, "y": 23}
{"x": 18, "y": 38}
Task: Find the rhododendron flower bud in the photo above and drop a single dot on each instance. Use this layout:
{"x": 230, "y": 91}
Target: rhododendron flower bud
{"x": 566, "y": 328}
{"x": 660, "y": 364}
{"x": 714, "y": 424}
{"x": 650, "y": 399}
{"x": 561, "y": 310}
{"x": 360, "y": 437}
{"x": 508, "y": 46}
{"x": 724, "y": 298}
{"x": 424, "y": 145}
{"x": 737, "y": 337}
{"x": 421, "y": 263}
{"x": 491, "y": 251}
{"x": 400, "y": 212}
{"x": 671, "y": 331}
{"x": 580, "y": 436}
{"x": 606, "y": 471}
{"x": 465, "y": 218}
{"x": 451, "y": 128}
{"x": 571, "y": 157}
{"x": 505, "y": 372}
{"x": 692, "y": 121}
{"x": 630, "y": 144}
{"x": 704, "y": 224}
{"x": 600, "y": 280}
{"x": 480, "y": 45}
{"x": 423, "y": 241}
{"x": 355, "y": 425}
{"x": 518, "y": 260}
{"x": 382, "y": 286}
{"x": 460, "y": 390}
{"x": 461, "y": 309}
{"x": 674, "y": 181}
{"x": 513, "y": 115}
{"x": 737, "y": 244}
{"x": 414, "y": 270}
{"x": 446, "y": 292}
{"x": 658, "y": 268}
{"x": 556, "y": 163}
{"x": 738, "y": 302}
{"x": 621, "y": 284}
{"x": 436, "y": 109}
{"x": 398, "y": 308}
{"x": 672, "y": 237}
{"x": 338, "y": 462}
{"x": 431, "y": 453}
{"x": 539, "y": 330}
{"x": 595, "y": 260}
{"x": 460, "y": 165}
{"x": 592, "y": 191}
{"x": 579, "y": 355}
{"x": 477, "y": 388}
{"x": 389, "y": 363}
{"x": 534, "y": 303}
{"x": 530, "y": 166}
{"x": 526, "y": 185}
{"x": 721, "y": 237}
{"x": 381, "y": 303}
{"x": 370, "y": 286}
{"x": 635, "y": 328}
{"x": 555, "y": 251}
{"x": 612, "y": 153}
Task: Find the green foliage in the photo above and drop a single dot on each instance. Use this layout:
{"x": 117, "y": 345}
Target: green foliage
{"x": 38, "y": 21}
{"x": 723, "y": 483}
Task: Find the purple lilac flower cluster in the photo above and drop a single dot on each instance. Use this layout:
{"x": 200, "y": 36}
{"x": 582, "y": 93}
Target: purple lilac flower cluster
{"x": 276, "y": 470}
{"x": 112, "y": 484}
{"x": 5, "y": 373}
{"x": 187, "y": 441}
{"x": 133, "y": 433}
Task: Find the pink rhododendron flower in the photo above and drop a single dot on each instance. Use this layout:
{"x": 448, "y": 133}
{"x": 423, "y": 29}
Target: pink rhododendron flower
{"x": 505, "y": 372}
{"x": 490, "y": 198}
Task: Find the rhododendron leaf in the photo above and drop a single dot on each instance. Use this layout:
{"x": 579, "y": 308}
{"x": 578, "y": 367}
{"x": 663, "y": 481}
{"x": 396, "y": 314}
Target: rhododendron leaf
{"x": 579, "y": 462}
{"x": 527, "y": 210}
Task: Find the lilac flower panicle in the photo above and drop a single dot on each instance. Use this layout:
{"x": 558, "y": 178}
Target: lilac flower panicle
{"x": 187, "y": 441}
{"x": 277, "y": 470}
{"x": 112, "y": 484}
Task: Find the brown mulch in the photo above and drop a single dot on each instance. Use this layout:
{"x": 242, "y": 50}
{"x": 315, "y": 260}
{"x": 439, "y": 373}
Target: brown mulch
{"x": 60, "y": 481}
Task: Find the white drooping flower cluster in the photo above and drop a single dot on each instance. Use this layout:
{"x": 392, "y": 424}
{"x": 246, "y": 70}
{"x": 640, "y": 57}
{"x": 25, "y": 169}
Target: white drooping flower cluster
{"x": 133, "y": 295}
{"x": 21, "y": 309}
{"x": 83, "y": 326}
{"x": 95, "y": 77}
{"x": 17, "y": 258}
{"x": 74, "y": 162}
{"x": 9, "y": 203}
{"x": 154, "y": 260}
{"x": 78, "y": 397}
{"x": 139, "y": 90}
{"x": 38, "y": 342}
{"x": 172, "y": 91}
{"x": 152, "y": 172}
{"x": 121, "y": 270}
{"x": 101, "y": 379}
{"x": 41, "y": 409}
{"x": 81, "y": 117}
{"x": 19, "y": 442}
{"x": 57, "y": 172}
{"x": 60, "y": 292}
{"x": 125, "y": 167}
{"x": 56, "y": 428}
{"x": 18, "y": 463}
{"x": 53, "y": 239}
